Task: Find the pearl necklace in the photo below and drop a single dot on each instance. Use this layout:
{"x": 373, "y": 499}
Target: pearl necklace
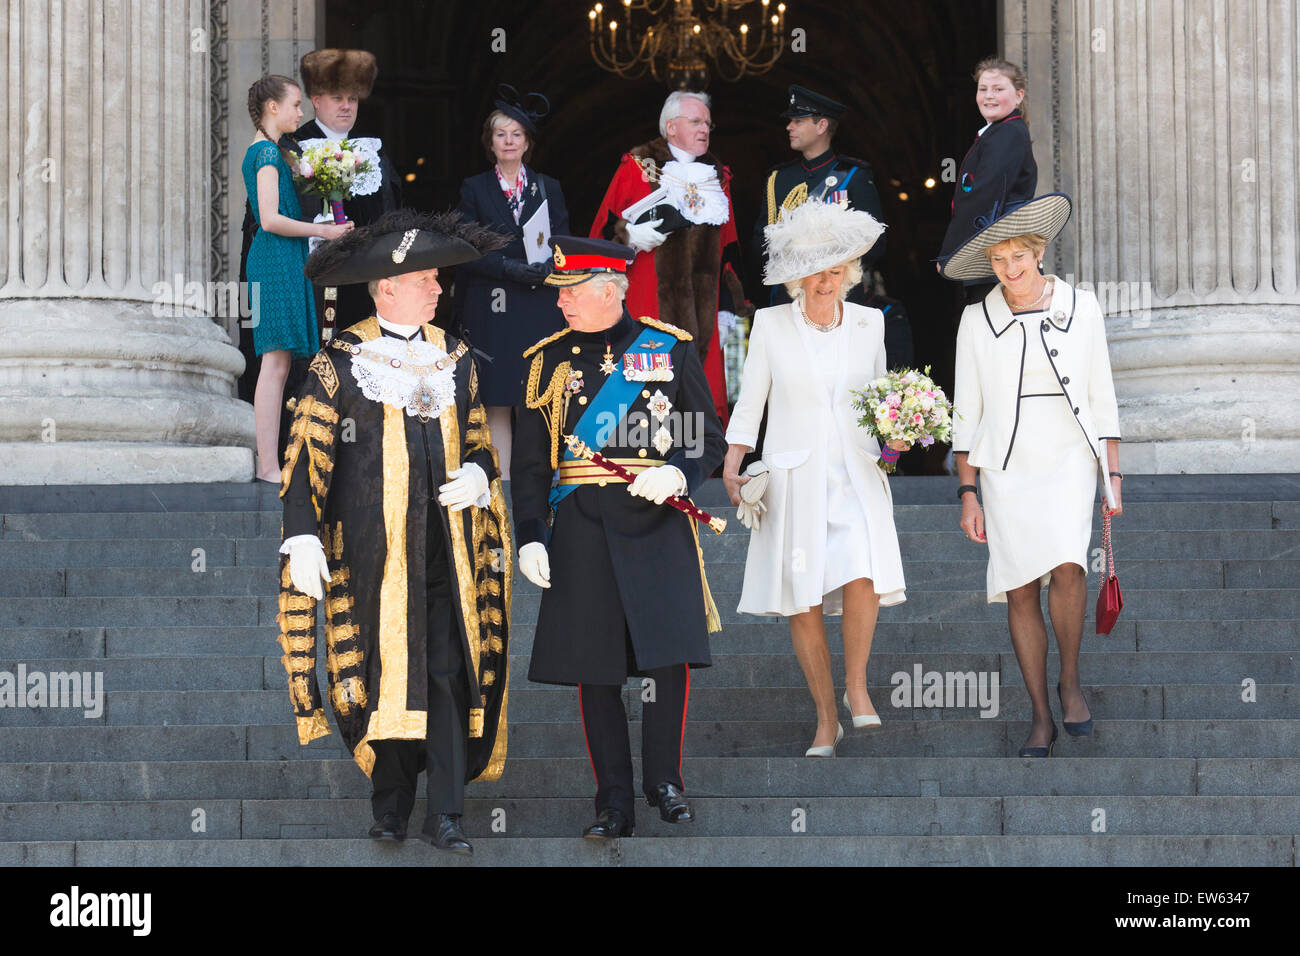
{"x": 1047, "y": 286}
{"x": 817, "y": 327}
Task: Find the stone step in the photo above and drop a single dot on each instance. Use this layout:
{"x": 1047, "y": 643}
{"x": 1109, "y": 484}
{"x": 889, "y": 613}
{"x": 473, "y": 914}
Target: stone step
{"x": 728, "y": 670}
{"x": 210, "y": 522}
{"x": 178, "y": 551}
{"x": 1143, "y": 605}
{"x": 931, "y": 575}
{"x": 762, "y": 636}
{"x": 897, "y": 738}
{"x": 716, "y": 816}
{"x": 1096, "y": 850}
{"x": 704, "y": 776}
{"x": 527, "y": 703}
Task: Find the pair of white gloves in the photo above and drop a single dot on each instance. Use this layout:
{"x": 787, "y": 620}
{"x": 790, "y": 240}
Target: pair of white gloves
{"x": 308, "y": 567}
{"x": 644, "y": 236}
{"x": 656, "y": 484}
{"x": 751, "y": 508}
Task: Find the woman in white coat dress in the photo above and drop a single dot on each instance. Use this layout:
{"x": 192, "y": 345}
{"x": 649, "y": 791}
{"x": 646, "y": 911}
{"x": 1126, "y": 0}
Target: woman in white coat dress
{"x": 825, "y": 541}
{"x": 1033, "y": 403}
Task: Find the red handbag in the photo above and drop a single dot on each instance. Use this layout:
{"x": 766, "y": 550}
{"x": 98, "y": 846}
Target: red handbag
{"x": 1110, "y": 599}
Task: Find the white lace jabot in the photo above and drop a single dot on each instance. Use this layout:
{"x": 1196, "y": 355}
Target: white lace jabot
{"x": 413, "y": 384}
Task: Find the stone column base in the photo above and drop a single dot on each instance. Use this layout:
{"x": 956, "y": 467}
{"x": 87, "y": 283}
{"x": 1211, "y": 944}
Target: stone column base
{"x": 1208, "y": 390}
{"x": 121, "y": 463}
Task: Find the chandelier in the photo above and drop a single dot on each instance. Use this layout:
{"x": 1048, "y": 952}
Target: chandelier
{"x": 678, "y": 45}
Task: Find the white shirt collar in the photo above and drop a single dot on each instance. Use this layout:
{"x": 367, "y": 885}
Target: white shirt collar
{"x": 680, "y": 154}
{"x": 329, "y": 133}
{"x": 407, "y": 332}
{"x": 983, "y": 128}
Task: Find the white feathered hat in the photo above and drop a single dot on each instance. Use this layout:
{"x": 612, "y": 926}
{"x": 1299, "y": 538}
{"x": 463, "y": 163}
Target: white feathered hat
{"x": 815, "y": 236}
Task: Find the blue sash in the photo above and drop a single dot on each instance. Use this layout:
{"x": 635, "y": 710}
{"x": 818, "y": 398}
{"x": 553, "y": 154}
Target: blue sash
{"x": 614, "y": 398}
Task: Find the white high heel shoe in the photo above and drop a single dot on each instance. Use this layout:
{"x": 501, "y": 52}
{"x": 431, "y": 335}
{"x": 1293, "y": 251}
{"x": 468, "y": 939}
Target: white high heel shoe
{"x": 866, "y": 720}
{"x": 827, "y": 751}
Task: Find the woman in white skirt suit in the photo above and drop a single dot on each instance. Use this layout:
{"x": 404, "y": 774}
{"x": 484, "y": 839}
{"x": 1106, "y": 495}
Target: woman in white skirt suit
{"x": 1033, "y": 403}
{"x": 822, "y": 539}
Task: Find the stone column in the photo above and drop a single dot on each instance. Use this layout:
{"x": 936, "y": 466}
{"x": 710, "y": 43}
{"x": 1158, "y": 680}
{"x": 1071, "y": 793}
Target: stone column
{"x": 1175, "y": 132}
{"x": 112, "y": 369}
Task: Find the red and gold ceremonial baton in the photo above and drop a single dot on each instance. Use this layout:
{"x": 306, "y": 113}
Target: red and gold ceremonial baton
{"x": 581, "y": 450}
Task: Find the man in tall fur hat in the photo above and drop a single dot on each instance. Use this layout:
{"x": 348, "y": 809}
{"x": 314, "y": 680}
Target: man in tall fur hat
{"x": 336, "y": 81}
{"x": 687, "y": 266}
{"x": 393, "y": 501}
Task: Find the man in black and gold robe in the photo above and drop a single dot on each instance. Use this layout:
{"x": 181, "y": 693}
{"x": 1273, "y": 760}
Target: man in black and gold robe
{"x": 392, "y": 498}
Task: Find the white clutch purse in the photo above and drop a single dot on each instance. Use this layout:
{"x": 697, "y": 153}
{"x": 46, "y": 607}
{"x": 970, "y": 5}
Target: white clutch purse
{"x": 751, "y": 506}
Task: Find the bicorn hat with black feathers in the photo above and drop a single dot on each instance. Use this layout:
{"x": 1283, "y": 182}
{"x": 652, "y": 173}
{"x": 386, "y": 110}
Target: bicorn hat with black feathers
{"x": 339, "y": 71}
{"x": 398, "y": 242}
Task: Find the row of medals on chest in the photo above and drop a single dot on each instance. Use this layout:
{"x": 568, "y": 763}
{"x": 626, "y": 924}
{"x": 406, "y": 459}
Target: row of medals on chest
{"x": 637, "y": 367}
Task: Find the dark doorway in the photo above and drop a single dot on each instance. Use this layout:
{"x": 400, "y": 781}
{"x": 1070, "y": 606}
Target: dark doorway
{"x": 904, "y": 70}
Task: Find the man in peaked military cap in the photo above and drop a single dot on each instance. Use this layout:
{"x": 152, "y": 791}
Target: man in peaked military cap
{"x": 622, "y": 577}
{"x": 820, "y": 174}
{"x": 392, "y": 500}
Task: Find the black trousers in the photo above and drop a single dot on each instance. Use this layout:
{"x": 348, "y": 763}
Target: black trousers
{"x": 442, "y": 752}
{"x": 663, "y": 726}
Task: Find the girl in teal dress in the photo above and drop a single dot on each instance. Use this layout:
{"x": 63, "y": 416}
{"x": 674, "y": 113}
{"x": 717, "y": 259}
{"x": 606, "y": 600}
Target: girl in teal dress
{"x": 284, "y": 312}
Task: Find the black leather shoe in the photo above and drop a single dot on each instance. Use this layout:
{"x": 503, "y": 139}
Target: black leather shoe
{"x": 390, "y": 829}
{"x": 672, "y": 804}
{"x": 610, "y": 825}
{"x": 447, "y": 835}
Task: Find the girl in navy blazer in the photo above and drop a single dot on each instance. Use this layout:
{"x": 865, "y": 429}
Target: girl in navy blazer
{"x": 999, "y": 167}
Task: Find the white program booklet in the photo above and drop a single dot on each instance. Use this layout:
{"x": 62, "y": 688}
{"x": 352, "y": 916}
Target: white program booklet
{"x": 644, "y": 205}
{"x": 1103, "y": 465}
{"x": 537, "y": 234}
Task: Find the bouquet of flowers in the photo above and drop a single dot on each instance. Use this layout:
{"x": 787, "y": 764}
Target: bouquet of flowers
{"x": 905, "y": 406}
{"x": 330, "y": 170}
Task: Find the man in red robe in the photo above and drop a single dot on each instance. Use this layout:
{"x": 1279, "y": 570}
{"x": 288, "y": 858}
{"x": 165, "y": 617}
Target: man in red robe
{"x": 687, "y": 266}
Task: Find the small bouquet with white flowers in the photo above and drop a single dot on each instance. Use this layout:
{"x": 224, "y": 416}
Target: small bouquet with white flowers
{"x": 330, "y": 170}
{"x": 904, "y": 406}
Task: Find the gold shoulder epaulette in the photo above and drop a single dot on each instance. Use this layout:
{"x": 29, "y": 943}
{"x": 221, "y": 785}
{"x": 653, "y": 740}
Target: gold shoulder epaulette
{"x": 546, "y": 341}
{"x": 665, "y": 327}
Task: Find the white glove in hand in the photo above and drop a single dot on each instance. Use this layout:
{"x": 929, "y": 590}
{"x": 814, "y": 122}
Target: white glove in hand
{"x": 470, "y": 484}
{"x": 750, "y": 514}
{"x": 307, "y": 565}
{"x": 535, "y": 564}
{"x": 658, "y": 483}
{"x": 643, "y": 236}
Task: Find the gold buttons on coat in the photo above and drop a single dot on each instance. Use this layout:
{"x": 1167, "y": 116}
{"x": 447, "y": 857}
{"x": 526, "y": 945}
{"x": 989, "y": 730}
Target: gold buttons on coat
{"x": 582, "y": 399}
{"x": 576, "y": 350}
{"x": 645, "y": 393}
{"x": 641, "y": 452}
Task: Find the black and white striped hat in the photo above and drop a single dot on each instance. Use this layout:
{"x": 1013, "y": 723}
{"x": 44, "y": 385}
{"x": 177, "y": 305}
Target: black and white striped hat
{"x": 1044, "y": 215}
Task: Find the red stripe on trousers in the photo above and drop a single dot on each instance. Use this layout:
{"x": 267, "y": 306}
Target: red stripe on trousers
{"x": 586, "y": 743}
{"x": 682, "y": 741}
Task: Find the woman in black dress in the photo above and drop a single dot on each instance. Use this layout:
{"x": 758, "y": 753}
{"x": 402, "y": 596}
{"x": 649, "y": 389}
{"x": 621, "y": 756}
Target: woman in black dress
{"x": 501, "y": 303}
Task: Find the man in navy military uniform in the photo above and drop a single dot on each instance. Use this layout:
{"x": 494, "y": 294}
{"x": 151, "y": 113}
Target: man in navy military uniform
{"x": 820, "y": 174}
{"x": 623, "y": 582}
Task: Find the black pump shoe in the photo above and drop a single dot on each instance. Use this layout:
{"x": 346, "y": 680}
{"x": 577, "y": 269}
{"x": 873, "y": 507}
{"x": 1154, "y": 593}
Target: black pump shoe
{"x": 1040, "y": 751}
{"x": 672, "y": 804}
{"x": 1081, "y": 728}
{"x": 609, "y": 825}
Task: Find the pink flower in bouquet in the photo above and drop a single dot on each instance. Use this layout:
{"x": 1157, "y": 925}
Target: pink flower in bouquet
{"x": 918, "y": 418}
{"x": 893, "y": 413}
{"x": 306, "y": 170}
{"x": 894, "y": 399}
{"x": 338, "y": 154}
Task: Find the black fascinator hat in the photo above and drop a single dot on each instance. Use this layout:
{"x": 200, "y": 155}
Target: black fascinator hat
{"x": 527, "y": 111}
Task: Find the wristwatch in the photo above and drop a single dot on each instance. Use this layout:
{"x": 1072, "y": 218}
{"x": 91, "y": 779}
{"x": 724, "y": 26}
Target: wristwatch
{"x": 965, "y": 488}
{"x": 1116, "y": 474}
